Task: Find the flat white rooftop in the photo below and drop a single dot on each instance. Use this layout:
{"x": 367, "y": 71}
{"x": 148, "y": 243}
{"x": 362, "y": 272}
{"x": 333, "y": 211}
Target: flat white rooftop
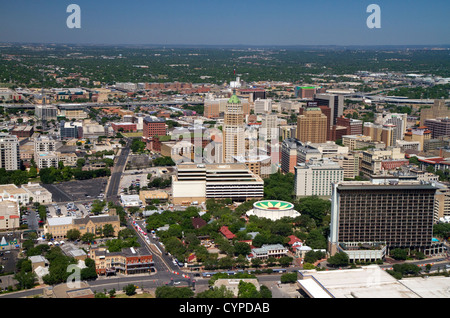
{"x": 430, "y": 287}
{"x": 59, "y": 221}
{"x": 366, "y": 282}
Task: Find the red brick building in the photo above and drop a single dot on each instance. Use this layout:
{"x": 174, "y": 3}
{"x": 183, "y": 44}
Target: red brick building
{"x": 154, "y": 127}
{"x": 128, "y": 261}
{"x": 125, "y": 127}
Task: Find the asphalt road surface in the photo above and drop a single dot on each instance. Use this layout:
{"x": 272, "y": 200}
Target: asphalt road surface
{"x": 116, "y": 174}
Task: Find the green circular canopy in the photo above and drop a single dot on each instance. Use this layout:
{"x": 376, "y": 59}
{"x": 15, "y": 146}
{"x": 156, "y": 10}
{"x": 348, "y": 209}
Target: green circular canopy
{"x": 273, "y": 205}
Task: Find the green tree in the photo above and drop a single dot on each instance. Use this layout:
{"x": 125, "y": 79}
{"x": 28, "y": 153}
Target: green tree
{"x": 216, "y": 292}
{"x": 242, "y": 248}
{"x": 338, "y": 260}
{"x": 89, "y": 272}
{"x": 265, "y": 292}
{"x": 88, "y": 237}
{"x": 173, "y": 292}
{"x": 314, "y": 207}
{"x": 73, "y": 234}
{"x": 288, "y": 278}
{"x": 130, "y": 290}
{"x": 399, "y": 254}
{"x": 26, "y": 280}
{"x": 247, "y": 290}
{"x": 108, "y": 230}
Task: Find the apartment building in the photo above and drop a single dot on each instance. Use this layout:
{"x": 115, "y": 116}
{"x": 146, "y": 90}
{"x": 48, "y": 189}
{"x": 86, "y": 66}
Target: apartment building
{"x": 44, "y": 144}
{"x": 398, "y": 120}
{"x": 9, "y": 152}
{"x": 198, "y": 182}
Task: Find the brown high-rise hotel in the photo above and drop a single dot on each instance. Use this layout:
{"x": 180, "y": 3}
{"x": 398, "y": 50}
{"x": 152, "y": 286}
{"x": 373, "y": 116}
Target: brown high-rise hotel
{"x": 398, "y": 215}
{"x": 312, "y": 126}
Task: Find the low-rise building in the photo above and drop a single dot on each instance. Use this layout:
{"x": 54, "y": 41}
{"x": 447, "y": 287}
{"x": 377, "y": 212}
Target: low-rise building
{"x": 38, "y": 193}
{"x": 147, "y": 196}
{"x": 269, "y": 250}
{"x": 129, "y": 201}
{"x": 13, "y": 192}
{"x": 9, "y": 215}
{"x": 58, "y": 226}
{"x": 128, "y": 261}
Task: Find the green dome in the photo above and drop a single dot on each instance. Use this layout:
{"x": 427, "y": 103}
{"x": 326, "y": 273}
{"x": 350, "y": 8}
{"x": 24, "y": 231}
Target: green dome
{"x": 234, "y": 100}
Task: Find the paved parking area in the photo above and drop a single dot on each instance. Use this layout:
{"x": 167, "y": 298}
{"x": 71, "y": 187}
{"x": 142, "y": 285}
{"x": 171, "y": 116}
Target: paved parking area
{"x": 128, "y": 179}
{"x": 77, "y": 190}
{"x": 8, "y": 260}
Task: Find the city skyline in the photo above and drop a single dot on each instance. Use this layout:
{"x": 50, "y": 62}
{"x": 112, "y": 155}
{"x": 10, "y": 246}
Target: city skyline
{"x": 199, "y": 22}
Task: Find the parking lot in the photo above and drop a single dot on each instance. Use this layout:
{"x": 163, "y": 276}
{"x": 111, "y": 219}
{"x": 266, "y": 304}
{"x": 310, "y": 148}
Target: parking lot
{"x": 8, "y": 260}
{"x": 77, "y": 190}
{"x": 78, "y": 210}
{"x": 139, "y": 177}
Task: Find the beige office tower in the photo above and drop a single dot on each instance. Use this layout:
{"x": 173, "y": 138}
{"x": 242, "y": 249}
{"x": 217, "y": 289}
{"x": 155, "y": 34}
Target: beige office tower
{"x": 438, "y": 110}
{"x": 233, "y": 130}
{"x": 312, "y": 126}
{"x": 382, "y": 133}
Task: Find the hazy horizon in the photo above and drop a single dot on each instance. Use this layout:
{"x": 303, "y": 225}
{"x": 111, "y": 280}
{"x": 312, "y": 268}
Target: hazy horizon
{"x": 232, "y": 23}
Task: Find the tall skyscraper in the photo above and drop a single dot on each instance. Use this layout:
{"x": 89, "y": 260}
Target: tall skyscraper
{"x": 398, "y": 215}
{"x": 312, "y": 126}
{"x": 9, "y": 152}
{"x": 233, "y": 130}
{"x": 334, "y": 101}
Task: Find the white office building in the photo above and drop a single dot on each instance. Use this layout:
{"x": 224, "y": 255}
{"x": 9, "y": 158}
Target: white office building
{"x": 316, "y": 177}
{"x": 198, "y": 182}
{"x": 263, "y": 106}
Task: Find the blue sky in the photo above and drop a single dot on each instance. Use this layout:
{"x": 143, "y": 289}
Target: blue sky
{"x": 248, "y": 22}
